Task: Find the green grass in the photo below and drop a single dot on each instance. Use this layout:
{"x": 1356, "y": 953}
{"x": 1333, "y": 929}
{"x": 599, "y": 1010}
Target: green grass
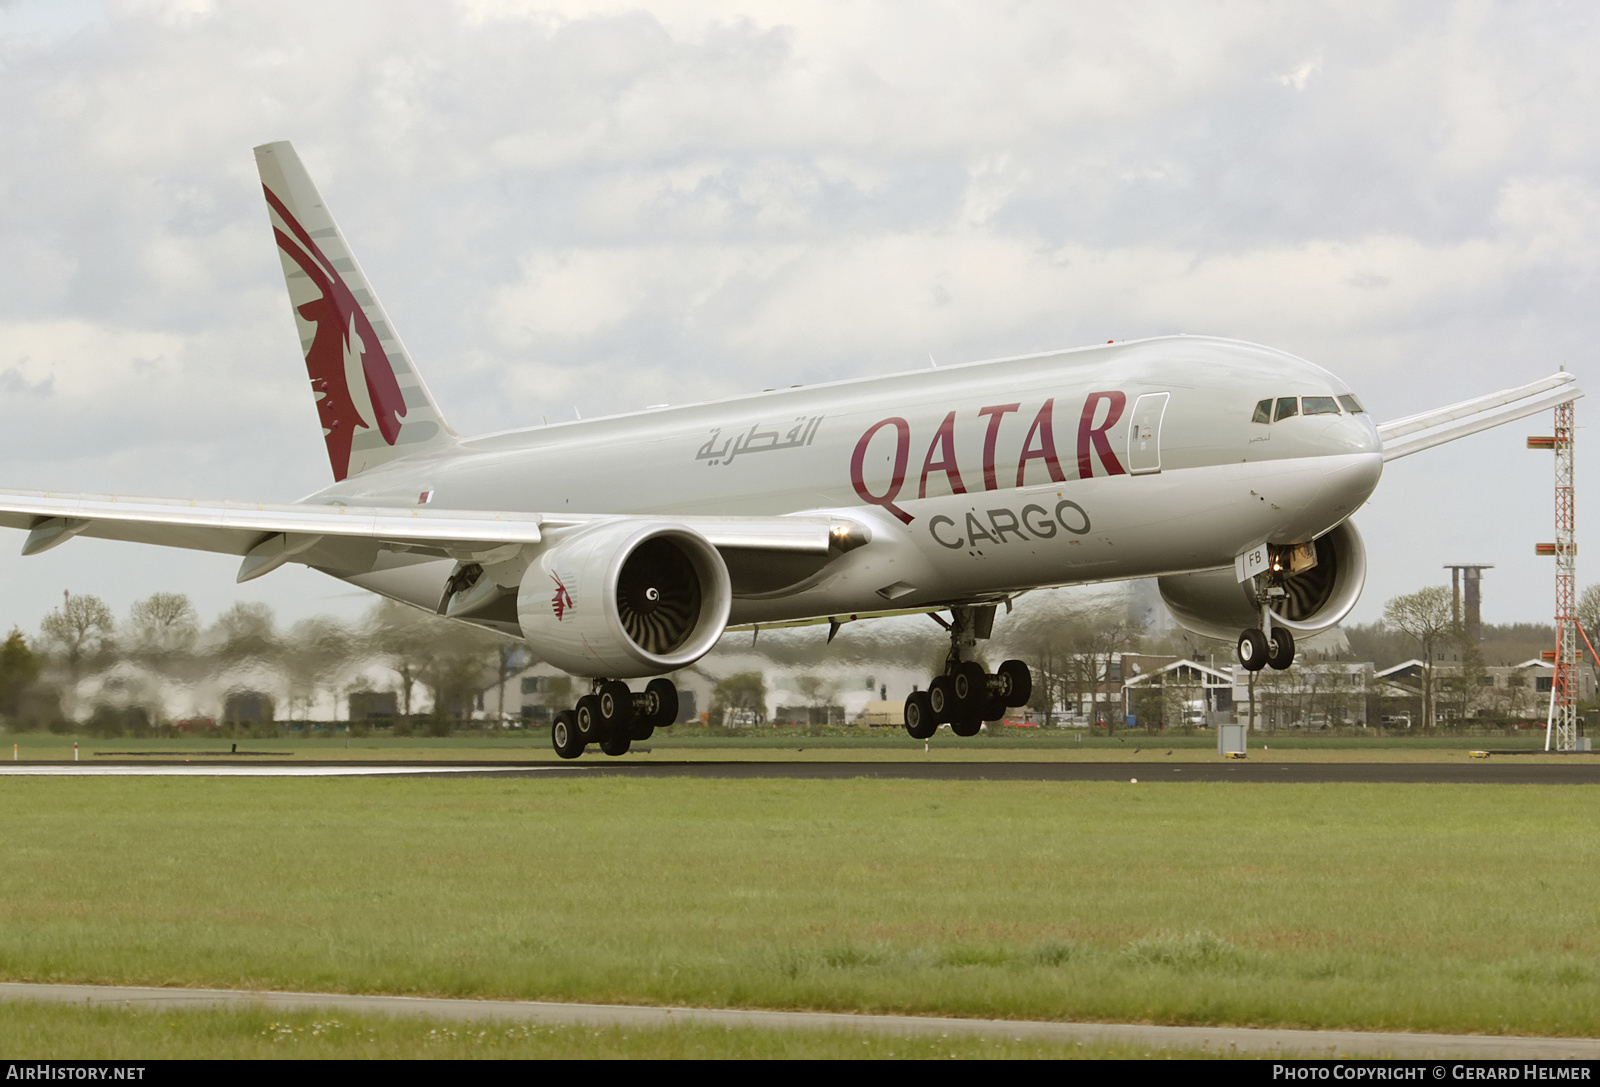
{"x": 1449, "y": 908}
{"x": 45, "y": 1032}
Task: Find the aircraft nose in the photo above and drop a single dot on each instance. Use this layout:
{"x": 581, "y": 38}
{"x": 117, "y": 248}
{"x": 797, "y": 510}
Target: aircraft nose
{"x": 1350, "y": 433}
{"x": 1346, "y": 487}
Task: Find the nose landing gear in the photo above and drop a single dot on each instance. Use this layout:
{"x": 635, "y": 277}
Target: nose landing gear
{"x": 1259, "y": 649}
{"x": 613, "y": 717}
{"x": 965, "y": 695}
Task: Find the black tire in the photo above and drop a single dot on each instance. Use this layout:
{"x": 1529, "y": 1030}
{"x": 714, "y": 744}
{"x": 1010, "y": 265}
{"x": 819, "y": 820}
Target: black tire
{"x": 1280, "y": 648}
{"x": 564, "y": 735}
{"x": 616, "y": 745}
{"x": 616, "y": 708}
{"x": 663, "y": 695}
{"x": 941, "y": 699}
{"x": 1253, "y": 650}
{"x": 919, "y": 716}
{"x": 994, "y": 709}
{"x": 1016, "y": 682}
{"x": 590, "y": 727}
{"x": 970, "y": 685}
{"x": 966, "y": 726}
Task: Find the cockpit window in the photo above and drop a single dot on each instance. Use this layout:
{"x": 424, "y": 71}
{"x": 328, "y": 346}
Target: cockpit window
{"x": 1287, "y": 406}
{"x": 1352, "y": 405}
{"x": 1263, "y": 412}
{"x": 1319, "y": 405}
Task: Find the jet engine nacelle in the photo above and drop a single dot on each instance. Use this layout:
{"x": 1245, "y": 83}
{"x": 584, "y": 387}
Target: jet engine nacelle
{"x": 1217, "y": 605}
{"x": 622, "y": 599}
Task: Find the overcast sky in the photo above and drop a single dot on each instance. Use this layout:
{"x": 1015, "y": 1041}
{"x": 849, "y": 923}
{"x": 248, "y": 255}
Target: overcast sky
{"x": 604, "y": 205}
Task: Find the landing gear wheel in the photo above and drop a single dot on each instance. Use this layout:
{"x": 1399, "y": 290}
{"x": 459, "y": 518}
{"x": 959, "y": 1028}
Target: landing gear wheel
{"x": 1280, "y": 648}
{"x": 588, "y": 719}
{"x": 661, "y": 695}
{"x": 966, "y": 726}
{"x": 616, "y": 708}
{"x": 616, "y": 745}
{"x": 1016, "y": 682}
{"x": 564, "y": 735}
{"x": 970, "y": 685}
{"x": 919, "y": 716}
{"x": 1253, "y": 650}
{"x": 995, "y": 708}
{"x": 941, "y": 699}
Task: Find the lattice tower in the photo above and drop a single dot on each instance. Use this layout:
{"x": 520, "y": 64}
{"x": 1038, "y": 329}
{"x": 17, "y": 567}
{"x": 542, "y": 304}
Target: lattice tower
{"x": 1563, "y": 727}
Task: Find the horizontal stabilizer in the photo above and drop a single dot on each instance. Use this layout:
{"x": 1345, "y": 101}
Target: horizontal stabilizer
{"x": 1402, "y": 437}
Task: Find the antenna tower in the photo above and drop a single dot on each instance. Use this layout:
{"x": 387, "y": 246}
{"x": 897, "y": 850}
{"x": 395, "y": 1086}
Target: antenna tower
{"x": 1562, "y": 724}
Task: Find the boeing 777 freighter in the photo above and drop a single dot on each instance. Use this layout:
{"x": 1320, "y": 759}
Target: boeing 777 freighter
{"x": 622, "y": 548}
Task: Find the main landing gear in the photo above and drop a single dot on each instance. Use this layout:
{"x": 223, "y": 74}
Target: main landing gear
{"x": 613, "y": 716}
{"x": 965, "y": 696}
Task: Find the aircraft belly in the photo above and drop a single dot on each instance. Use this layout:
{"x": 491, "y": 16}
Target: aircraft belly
{"x": 1105, "y": 529}
{"x": 407, "y": 578}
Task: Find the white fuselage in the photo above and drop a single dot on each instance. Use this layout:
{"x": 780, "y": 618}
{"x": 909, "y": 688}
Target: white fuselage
{"x": 974, "y": 481}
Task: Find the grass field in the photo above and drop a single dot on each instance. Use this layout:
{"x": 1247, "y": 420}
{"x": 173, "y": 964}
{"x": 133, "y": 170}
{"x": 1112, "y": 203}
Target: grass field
{"x": 1448, "y": 908}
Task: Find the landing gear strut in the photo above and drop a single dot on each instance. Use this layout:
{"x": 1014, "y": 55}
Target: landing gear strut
{"x": 613, "y": 717}
{"x": 964, "y": 695}
{"x": 1267, "y": 644}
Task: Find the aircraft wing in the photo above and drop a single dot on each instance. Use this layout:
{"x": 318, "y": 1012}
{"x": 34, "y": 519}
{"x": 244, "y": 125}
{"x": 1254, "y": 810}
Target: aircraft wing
{"x": 1402, "y": 437}
{"x": 269, "y": 535}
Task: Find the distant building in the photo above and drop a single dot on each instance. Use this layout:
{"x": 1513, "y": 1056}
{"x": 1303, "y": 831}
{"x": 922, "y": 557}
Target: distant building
{"x": 374, "y": 705}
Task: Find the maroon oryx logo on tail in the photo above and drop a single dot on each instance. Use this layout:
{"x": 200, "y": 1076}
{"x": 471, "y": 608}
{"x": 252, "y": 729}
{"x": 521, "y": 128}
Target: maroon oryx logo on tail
{"x": 339, "y": 318}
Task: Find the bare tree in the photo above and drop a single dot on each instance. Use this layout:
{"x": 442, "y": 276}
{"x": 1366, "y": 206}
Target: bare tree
{"x": 510, "y": 658}
{"x": 1098, "y": 635}
{"x": 1589, "y": 619}
{"x": 163, "y": 624}
{"x": 245, "y": 632}
{"x": 1589, "y": 610}
{"x": 81, "y": 627}
{"x": 1426, "y": 617}
{"x": 404, "y": 637}
{"x": 1044, "y": 639}
{"x": 314, "y": 653}
{"x": 741, "y": 693}
{"x": 464, "y": 662}
{"x": 1070, "y": 647}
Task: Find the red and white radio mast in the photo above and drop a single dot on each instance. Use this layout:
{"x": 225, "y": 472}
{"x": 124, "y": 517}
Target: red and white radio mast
{"x": 1561, "y": 726}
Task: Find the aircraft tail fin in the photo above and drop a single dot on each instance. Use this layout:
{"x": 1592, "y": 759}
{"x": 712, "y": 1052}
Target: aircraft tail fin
{"x": 370, "y": 398}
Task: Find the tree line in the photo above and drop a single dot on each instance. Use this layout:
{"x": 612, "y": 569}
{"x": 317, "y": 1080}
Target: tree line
{"x": 164, "y": 641}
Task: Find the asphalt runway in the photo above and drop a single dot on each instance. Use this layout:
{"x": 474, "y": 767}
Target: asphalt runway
{"x": 1226, "y": 1040}
{"x": 1504, "y": 771}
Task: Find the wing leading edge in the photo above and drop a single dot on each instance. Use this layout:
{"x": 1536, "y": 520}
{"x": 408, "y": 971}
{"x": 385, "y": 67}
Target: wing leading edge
{"x": 268, "y": 535}
{"x": 1414, "y": 433}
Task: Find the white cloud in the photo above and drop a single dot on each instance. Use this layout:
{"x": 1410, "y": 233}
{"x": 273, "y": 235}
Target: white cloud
{"x": 1301, "y": 74}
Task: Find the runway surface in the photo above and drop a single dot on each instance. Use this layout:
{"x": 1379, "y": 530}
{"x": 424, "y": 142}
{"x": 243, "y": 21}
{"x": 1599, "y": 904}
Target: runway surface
{"x": 1309, "y": 1043}
{"x": 247, "y": 770}
{"x": 1509, "y": 771}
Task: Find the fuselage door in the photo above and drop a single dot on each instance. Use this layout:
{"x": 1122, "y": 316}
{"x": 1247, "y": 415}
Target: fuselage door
{"x": 1144, "y": 434}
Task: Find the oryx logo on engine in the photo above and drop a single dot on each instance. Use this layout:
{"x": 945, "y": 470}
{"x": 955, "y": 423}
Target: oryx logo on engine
{"x": 561, "y": 601}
